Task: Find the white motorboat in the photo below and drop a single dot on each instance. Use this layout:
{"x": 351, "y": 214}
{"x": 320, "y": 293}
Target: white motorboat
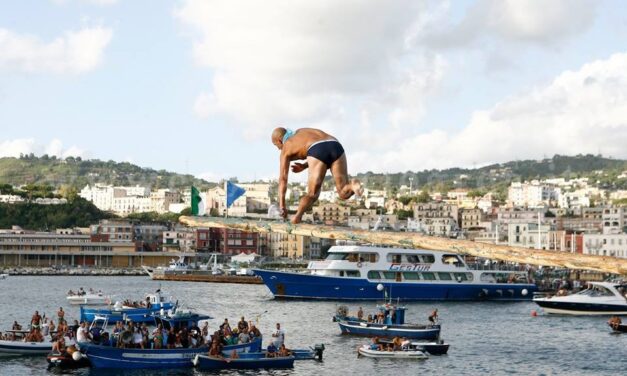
{"x": 411, "y": 353}
{"x": 4, "y": 276}
{"x": 88, "y": 298}
{"x": 601, "y": 298}
{"x": 21, "y": 348}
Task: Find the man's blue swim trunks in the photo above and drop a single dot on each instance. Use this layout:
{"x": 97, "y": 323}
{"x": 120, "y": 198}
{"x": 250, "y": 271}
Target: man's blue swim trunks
{"x": 327, "y": 151}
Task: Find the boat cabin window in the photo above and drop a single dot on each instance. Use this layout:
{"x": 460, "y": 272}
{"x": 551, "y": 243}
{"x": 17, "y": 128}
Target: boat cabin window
{"x": 428, "y": 276}
{"x": 600, "y": 291}
{"x": 389, "y": 275}
{"x": 373, "y": 274}
{"x": 414, "y": 259}
{"x": 350, "y": 273}
{"x": 461, "y": 277}
{"x": 368, "y": 257}
{"x": 452, "y": 260}
{"x": 411, "y": 276}
{"x": 337, "y": 256}
{"x": 494, "y": 277}
{"x": 445, "y": 276}
{"x": 395, "y": 257}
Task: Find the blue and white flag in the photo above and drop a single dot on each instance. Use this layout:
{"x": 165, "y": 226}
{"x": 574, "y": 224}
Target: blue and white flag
{"x": 233, "y": 192}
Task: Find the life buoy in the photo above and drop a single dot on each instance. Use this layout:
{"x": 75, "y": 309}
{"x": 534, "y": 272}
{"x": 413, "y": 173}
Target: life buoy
{"x": 359, "y": 264}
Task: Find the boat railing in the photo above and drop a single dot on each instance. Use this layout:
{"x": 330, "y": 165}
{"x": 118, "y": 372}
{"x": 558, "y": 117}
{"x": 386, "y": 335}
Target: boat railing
{"x": 496, "y": 267}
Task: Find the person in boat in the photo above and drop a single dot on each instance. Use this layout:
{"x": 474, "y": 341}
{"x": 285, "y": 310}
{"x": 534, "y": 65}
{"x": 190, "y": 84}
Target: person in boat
{"x": 271, "y": 351}
{"x": 70, "y": 293}
{"x": 60, "y": 314}
{"x": 360, "y": 313}
{"x": 49, "y": 329}
{"x": 82, "y": 333}
{"x": 369, "y": 319}
{"x": 225, "y": 328}
{"x": 58, "y": 346}
{"x": 178, "y": 342}
{"x": 15, "y": 326}
{"x": 433, "y": 317}
{"x": 81, "y": 292}
{"x": 253, "y": 332}
{"x": 244, "y": 337}
{"x": 62, "y": 327}
{"x": 242, "y": 324}
{"x": 283, "y": 351}
{"x": 184, "y": 333}
{"x": 215, "y": 350}
{"x": 234, "y": 354}
{"x": 397, "y": 344}
{"x": 614, "y": 322}
{"x": 375, "y": 345}
{"x": 171, "y": 341}
{"x": 322, "y": 152}
{"x": 74, "y": 328}
{"x": 35, "y": 321}
{"x": 278, "y": 336}
{"x": 138, "y": 338}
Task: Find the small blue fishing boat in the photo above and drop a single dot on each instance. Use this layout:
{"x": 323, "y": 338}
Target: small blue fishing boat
{"x": 113, "y": 357}
{"x": 155, "y": 303}
{"x": 393, "y": 325}
{"x": 244, "y": 361}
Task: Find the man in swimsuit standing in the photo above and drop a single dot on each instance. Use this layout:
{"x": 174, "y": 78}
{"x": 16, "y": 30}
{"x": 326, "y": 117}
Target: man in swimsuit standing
{"x": 322, "y": 152}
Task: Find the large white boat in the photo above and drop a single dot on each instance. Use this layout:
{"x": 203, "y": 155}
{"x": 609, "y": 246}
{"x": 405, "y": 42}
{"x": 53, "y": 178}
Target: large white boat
{"x": 600, "y": 298}
{"x": 354, "y": 272}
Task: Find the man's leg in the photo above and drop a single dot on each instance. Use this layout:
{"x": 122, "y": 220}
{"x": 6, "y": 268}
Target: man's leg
{"x": 345, "y": 189}
{"x": 317, "y": 170}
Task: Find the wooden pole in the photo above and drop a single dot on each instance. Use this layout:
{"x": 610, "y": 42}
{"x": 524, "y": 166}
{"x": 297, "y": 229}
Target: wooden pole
{"x": 606, "y": 264}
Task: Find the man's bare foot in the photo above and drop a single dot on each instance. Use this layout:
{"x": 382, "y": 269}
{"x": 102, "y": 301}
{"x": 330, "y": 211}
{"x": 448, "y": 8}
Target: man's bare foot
{"x": 357, "y": 188}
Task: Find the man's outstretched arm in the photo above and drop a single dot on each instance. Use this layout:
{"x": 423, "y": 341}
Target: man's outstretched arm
{"x": 284, "y": 171}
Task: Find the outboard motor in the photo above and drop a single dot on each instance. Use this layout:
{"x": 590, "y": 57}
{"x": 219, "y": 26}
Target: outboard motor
{"x": 318, "y": 350}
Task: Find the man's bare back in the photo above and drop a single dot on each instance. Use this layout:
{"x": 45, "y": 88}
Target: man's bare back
{"x": 322, "y": 152}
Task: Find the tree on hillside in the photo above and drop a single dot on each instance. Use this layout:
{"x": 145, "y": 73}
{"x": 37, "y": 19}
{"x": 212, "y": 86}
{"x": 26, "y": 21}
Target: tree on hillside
{"x": 423, "y": 197}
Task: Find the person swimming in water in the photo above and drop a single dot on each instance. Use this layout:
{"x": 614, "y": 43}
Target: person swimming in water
{"x": 322, "y": 152}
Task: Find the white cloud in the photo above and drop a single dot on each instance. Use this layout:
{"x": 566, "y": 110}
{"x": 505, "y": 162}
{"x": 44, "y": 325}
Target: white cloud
{"x": 73, "y": 53}
{"x": 203, "y": 106}
{"x": 13, "y": 148}
{"x": 535, "y": 21}
{"x": 583, "y": 111}
{"x": 304, "y": 63}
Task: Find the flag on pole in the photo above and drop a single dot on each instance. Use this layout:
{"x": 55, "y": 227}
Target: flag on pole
{"x": 233, "y": 192}
{"x": 198, "y": 206}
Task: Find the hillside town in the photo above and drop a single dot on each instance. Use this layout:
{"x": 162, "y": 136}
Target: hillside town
{"x": 552, "y": 214}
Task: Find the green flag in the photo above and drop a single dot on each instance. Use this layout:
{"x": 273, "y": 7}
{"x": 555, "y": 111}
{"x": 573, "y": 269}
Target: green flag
{"x": 198, "y": 206}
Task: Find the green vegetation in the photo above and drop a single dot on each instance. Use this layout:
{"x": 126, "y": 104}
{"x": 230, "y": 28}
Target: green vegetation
{"x": 76, "y": 213}
{"x": 404, "y": 214}
{"x": 157, "y": 217}
{"x": 497, "y": 177}
{"x": 77, "y": 173}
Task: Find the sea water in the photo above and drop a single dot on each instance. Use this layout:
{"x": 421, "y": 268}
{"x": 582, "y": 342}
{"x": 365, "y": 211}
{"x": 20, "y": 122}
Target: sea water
{"x": 486, "y": 338}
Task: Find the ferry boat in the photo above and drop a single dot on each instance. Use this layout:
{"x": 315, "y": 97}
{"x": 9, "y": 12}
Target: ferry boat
{"x": 354, "y": 272}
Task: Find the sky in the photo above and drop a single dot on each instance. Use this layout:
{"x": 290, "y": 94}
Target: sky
{"x": 196, "y": 86}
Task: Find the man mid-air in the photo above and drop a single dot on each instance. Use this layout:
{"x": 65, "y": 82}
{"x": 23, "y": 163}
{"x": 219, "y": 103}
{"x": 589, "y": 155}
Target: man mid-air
{"x": 323, "y": 152}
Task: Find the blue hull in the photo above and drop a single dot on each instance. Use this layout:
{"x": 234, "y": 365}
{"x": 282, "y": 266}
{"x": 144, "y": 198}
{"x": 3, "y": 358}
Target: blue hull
{"x": 370, "y": 330}
{"x": 112, "y": 357}
{"x": 307, "y": 286}
{"x": 246, "y": 361}
{"x": 135, "y": 314}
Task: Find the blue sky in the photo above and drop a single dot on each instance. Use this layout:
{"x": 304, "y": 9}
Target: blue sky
{"x": 197, "y": 86}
